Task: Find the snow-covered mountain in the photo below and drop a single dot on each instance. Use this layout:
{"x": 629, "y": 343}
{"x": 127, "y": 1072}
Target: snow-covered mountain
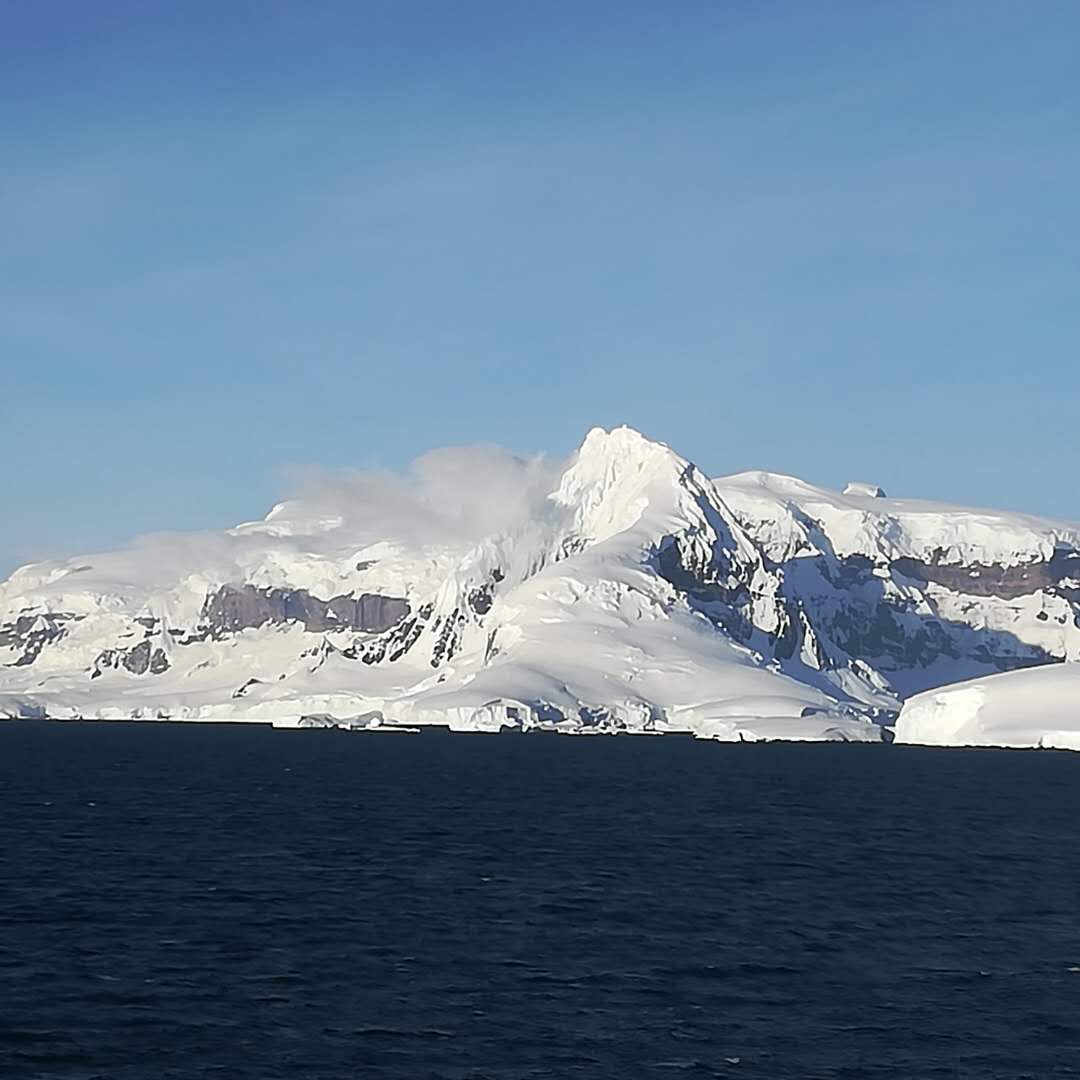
{"x": 623, "y": 590}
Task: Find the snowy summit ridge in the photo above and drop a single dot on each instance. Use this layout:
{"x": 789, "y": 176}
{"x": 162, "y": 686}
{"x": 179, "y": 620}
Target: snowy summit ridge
{"x": 623, "y": 590}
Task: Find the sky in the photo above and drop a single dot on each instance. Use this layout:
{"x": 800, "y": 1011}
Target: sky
{"x": 239, "y": 240}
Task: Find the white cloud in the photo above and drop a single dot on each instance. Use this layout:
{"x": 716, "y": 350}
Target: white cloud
{"x": 453, "y": 495}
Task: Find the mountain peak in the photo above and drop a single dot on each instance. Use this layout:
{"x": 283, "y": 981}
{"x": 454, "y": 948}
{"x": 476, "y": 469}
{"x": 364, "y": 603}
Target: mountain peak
{"x": 614, "y": 476}
{"x": 624, "y": 446}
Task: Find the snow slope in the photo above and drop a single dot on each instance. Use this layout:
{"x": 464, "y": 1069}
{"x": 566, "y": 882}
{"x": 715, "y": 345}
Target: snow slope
{"x": 1037, "y": 707}
{"x": 621, "y": 590}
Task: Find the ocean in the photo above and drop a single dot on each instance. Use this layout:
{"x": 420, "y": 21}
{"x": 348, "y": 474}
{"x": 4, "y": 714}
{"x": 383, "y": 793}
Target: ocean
{"x": 190, "y": 901}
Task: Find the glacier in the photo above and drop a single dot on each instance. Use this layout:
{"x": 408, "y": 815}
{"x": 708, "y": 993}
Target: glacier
{"x": 620, "y": 591}
{"x": 1034, "y": 707}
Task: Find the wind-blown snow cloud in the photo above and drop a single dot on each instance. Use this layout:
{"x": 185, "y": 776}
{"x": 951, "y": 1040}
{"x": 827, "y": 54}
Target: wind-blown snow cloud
{"x": 449, "y": 498}
{"x": 452, "y": 497}
{"x": 456, "y": 495}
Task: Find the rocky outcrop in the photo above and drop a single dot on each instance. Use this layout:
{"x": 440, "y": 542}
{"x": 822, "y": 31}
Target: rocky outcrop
{"x": 1004, "y": 582}
{"x": 242, "y": 607}
{"x": 27, "y": 635}
{"x": 395, "y": 642}
{"x": 141, "y": 659}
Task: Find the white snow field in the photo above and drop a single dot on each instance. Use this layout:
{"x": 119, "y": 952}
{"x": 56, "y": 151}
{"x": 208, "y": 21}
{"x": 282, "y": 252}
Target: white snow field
{"x": 1036, "y": 707}
{"x": 622, "y": 590}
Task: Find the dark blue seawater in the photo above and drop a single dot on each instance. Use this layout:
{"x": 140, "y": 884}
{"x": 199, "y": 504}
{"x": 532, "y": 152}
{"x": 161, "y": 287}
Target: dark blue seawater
{"x": 194, "y": 901}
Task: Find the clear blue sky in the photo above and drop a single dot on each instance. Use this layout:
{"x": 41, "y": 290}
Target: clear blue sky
{"x": 832, "y": 239}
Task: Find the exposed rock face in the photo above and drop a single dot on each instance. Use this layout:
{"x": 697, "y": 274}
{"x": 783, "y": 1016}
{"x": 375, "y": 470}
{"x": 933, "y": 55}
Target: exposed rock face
{"x": 876, "y": 616}
{"x": 835, "y": 613}
{"x": 1006, "y": 582}
{"x": 705, "y": 574}
{"x": 395, "y": 642}
{"x": 241, "y": 607}
{"x": 139, "y": 660}
{"x": 27, "y": 635}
